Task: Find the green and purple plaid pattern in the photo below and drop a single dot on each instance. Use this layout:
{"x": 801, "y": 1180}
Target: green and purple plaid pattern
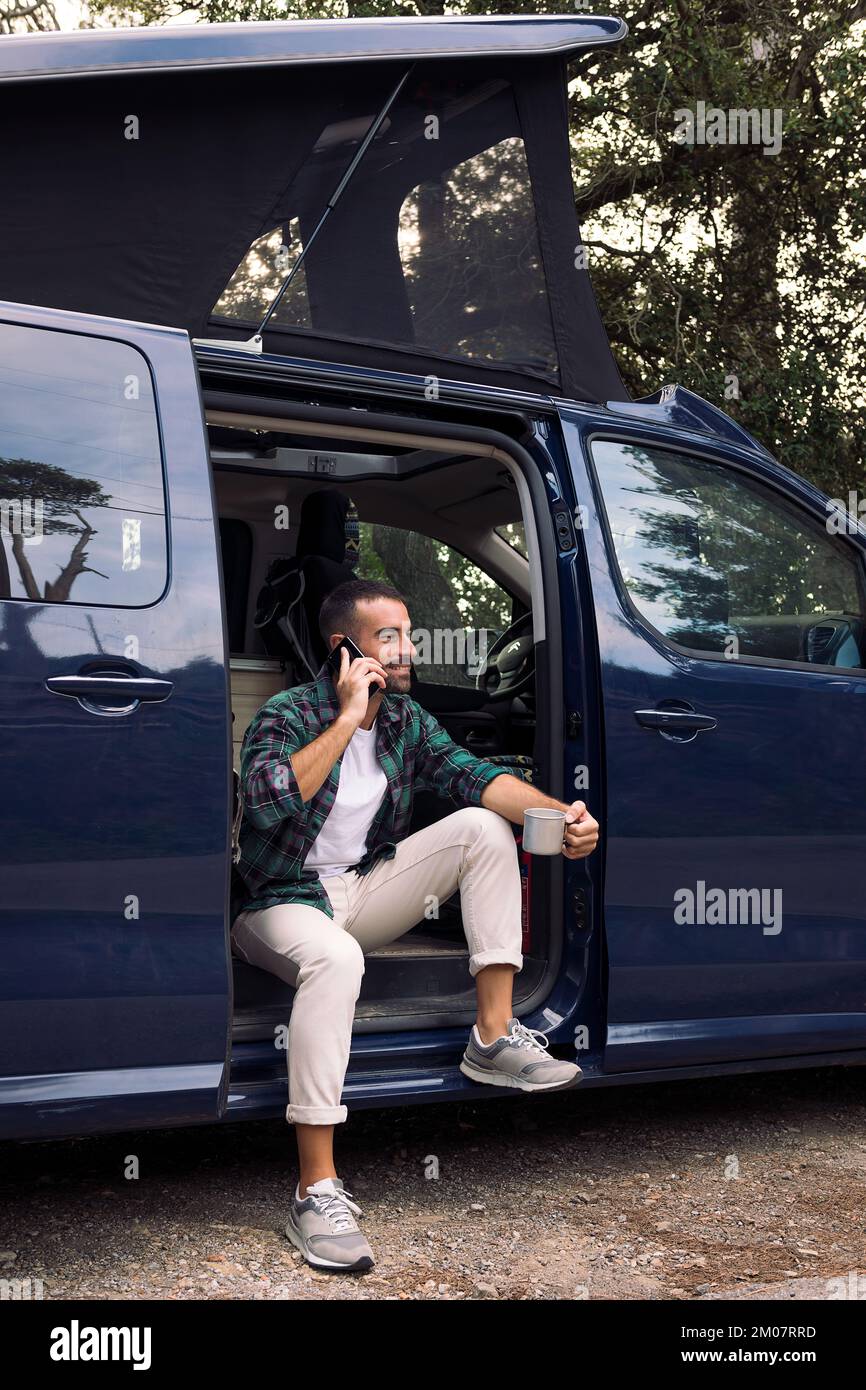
{"x": 278, "y": 828}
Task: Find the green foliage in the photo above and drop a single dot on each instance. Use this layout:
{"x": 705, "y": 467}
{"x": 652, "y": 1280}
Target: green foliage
{"x": 734, "y": 272}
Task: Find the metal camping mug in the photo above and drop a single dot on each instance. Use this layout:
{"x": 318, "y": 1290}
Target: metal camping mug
{"x": 543, "y": 830}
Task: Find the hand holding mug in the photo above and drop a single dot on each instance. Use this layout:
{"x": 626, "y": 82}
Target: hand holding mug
{"x": 568, "y": 830}
{"x": 581, "y": 832}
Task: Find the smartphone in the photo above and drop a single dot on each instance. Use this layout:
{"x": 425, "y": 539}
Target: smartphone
{"x": 354, "y": 651}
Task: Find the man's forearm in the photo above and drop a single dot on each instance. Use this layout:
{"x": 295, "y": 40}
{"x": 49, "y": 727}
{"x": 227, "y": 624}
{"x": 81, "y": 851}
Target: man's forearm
{"x": 511, "y": 796}
{"x": 312, "y": 763}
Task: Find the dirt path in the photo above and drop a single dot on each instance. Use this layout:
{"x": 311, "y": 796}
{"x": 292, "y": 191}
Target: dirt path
{"x": 744, "y": 1187}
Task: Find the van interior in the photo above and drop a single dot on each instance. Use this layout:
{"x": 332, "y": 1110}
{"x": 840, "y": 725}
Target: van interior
{"x": 455, "y": 535}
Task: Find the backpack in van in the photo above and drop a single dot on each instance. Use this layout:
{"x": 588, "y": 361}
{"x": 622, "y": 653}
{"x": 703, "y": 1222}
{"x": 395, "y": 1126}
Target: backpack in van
{"x": 281, "y": 619}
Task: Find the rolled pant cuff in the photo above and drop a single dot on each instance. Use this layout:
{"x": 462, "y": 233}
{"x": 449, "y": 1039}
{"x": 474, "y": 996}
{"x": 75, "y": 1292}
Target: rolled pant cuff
{"x": 494, "y": 957}
{"x": 316, "y": 1114}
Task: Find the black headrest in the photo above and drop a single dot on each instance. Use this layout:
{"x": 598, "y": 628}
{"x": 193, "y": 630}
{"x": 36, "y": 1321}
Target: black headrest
{"x": 323, "y": 525}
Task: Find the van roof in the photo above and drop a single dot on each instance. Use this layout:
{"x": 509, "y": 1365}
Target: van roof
{"x": 29, "y": 57}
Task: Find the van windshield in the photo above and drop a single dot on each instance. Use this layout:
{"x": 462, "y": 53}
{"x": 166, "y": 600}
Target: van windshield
{"x": 433, "y": 245}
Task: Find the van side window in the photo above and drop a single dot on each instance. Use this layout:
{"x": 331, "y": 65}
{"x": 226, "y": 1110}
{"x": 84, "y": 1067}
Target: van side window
{"x": 82, "y": 501}
{"x": 716, "y": 562}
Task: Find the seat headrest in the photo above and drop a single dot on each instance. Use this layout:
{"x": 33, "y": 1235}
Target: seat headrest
{"x": 322, "y": 530}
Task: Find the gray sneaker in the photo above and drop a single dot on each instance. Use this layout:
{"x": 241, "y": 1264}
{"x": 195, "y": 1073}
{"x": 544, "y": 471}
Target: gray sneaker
{"x": 325, "y": 1231}
{"x": 519, "y": 1058}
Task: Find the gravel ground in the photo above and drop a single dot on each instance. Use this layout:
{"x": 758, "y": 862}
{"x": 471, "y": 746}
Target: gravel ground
{"x": 746, "y": 1187}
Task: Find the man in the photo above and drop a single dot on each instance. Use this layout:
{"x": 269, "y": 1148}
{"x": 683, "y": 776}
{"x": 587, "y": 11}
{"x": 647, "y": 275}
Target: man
{"x": 327, "y": 773}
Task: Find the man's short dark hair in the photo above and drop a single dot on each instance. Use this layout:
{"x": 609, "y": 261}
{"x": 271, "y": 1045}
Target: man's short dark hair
{"x": 338, "y": 613}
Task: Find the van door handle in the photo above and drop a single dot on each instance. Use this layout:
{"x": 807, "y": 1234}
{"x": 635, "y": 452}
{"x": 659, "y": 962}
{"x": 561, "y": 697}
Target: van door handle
{"x": 675, "y": 721}
{"x": 90, "y": 690}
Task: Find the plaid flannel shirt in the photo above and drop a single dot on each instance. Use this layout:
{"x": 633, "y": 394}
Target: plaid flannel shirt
{"x": 278, "y": 827}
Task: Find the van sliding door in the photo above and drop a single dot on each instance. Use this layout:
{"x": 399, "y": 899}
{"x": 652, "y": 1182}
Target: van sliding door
{"x": 113, "y": 732}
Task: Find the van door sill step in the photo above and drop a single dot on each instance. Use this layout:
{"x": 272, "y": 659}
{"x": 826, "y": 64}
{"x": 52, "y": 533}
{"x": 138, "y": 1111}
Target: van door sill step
{"x": 409, "y": 1005}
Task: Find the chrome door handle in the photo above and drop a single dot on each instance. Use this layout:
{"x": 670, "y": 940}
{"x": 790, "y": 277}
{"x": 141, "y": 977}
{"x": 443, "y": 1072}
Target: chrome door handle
{"x": 674, "y": 720}
{"x": 91, "y": 689}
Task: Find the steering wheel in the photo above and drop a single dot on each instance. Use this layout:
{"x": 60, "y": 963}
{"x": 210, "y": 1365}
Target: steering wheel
{"x": 509, "y": 668}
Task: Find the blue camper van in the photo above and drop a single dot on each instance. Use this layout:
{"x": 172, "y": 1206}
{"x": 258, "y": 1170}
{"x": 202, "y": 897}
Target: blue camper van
{"x": 243, "y": 263}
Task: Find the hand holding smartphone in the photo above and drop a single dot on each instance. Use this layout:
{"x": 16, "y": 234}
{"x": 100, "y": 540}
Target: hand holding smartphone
{"x": 335, "y": 660}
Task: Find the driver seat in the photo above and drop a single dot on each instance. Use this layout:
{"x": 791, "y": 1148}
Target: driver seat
{"x": 327, "y": 551}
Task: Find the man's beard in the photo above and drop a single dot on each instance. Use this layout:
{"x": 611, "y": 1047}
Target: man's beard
{"x": 398, "y": 684}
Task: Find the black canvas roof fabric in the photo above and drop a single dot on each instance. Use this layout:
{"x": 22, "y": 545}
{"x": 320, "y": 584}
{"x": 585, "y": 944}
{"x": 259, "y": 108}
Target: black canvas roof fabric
{"x": 138, "y": 196}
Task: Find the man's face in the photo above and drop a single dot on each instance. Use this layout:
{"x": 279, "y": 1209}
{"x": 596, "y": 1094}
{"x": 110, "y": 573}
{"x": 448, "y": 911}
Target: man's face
{"x": 381, "y": 629}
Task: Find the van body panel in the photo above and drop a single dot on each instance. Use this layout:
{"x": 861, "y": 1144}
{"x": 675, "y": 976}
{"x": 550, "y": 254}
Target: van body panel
{"x": 171, "y": 988}
{"x": 180, "y": 47}
{"x": 95, "y": 1102}
{"x": 114, "y": 856}
{"x": 264, "y": 1096}
{"x": 767, "y": 798}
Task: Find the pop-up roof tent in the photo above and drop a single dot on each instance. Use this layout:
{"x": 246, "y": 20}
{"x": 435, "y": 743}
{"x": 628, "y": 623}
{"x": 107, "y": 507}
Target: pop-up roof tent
{"x": 174, "y": 175}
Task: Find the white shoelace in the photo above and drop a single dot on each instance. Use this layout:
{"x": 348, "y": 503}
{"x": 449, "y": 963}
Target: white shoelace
{"x": 333, "y": 1206}
{"x": 521, "y": 1036}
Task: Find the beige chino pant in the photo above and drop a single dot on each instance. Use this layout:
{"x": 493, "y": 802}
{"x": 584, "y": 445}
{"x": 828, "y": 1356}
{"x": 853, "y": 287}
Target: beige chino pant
{"x": 473, "y": 849}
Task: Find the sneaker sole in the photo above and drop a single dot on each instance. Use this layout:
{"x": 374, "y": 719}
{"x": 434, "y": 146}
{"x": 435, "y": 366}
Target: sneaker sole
{"x": 501, "y": 1078}
{"x": 295, "y": 1236}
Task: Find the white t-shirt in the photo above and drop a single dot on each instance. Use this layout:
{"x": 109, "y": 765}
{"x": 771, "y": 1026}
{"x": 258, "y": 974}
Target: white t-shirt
{"x": 342, "y": 840}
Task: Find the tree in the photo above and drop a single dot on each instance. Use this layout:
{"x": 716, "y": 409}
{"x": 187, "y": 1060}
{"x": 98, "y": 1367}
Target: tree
{"x": 27, "y": 16}
{"x": 62, "y": 496}
{"x": 716, "y": 265}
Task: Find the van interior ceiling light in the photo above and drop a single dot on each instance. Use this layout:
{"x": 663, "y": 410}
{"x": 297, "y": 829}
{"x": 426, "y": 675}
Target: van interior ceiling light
{"x": 254, "y": 344}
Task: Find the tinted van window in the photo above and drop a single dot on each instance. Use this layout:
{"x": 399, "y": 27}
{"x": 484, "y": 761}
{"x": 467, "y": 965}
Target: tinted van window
{"x": 82, "y": 504}
{"x": 718, "y": 563}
